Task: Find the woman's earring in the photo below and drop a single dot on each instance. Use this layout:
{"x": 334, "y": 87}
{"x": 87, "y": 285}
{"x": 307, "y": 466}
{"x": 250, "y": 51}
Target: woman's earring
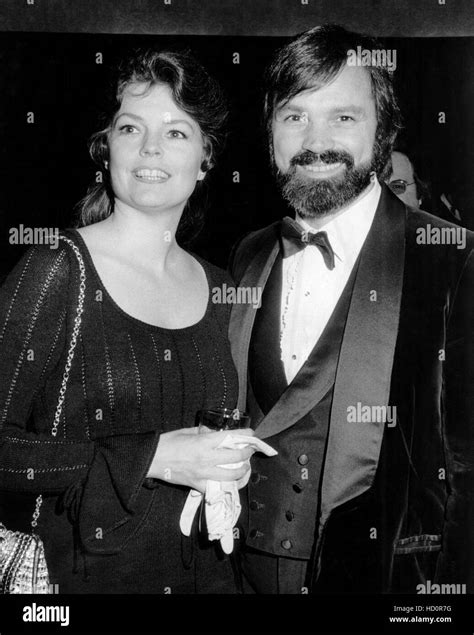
{"x": 203, "y": 170}
{"x": 106, "y": 164}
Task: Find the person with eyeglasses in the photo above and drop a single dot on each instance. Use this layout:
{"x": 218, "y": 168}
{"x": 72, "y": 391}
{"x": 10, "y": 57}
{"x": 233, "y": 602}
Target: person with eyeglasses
{"x": 416, "y": 193}
{"x": 403, "y": 181}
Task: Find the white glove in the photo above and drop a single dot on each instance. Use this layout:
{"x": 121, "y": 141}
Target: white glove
{"x": 221, "y": 500}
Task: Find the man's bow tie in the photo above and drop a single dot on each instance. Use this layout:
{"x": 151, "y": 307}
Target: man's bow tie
{"x": 294, "y": 238}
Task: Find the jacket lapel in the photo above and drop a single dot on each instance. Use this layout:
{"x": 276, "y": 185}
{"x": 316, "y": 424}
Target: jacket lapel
{"x": 315, "y": 377}
{"x": 264, "y": 351}
{"x": 243, "y": 315}
{"x": 366, "y": 358}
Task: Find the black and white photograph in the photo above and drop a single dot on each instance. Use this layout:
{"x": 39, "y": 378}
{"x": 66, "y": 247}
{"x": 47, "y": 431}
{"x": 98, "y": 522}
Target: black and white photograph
{"x": 236, "y": 316}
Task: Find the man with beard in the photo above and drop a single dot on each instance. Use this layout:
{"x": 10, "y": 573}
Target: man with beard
{"x": 358, "y": 366}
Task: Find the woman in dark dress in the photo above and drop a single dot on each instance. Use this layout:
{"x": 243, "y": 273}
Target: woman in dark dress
{"x": 151, "y": 350}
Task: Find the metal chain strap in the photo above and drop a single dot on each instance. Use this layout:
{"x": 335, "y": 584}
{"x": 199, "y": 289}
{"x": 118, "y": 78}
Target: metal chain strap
{"x": 75, "y": 333}
{"x": 36, "y": 513}
{"x": 70, "y": 356}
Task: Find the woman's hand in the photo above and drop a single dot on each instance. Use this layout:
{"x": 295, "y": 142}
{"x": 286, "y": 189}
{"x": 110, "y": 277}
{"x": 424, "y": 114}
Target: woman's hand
{"x": 185, "y": 457}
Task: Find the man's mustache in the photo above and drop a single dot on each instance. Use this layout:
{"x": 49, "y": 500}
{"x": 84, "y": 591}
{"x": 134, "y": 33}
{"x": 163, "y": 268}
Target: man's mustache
{"x": 307, "y": 157}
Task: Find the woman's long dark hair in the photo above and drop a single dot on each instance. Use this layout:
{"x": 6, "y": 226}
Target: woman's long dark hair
{"x": 196, "y": 93}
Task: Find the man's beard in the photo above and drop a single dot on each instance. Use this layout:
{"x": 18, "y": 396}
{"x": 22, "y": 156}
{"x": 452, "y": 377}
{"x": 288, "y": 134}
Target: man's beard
{"x": 313, "y": 196}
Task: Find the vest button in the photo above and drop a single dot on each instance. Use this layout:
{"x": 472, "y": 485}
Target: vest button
{"x": 286, "y": 544}
{"x": 297, "y": 488}
{"x": 303, "y": 459}
{"x": 289, "y": 516}
{"x": 255, "y": 533}
{"x": 255, "y": 506}
{"x": 255, "y": 477}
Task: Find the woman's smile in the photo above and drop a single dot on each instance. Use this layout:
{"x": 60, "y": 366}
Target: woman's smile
{"x": 154, "y": 175}
{"x": 156, "y": 151}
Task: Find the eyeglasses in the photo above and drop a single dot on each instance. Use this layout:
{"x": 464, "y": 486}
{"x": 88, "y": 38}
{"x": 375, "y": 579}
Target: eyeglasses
{"x": 399, "y": 186}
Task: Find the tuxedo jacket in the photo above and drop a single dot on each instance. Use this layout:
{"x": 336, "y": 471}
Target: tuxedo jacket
{"x": 396, "y": 510}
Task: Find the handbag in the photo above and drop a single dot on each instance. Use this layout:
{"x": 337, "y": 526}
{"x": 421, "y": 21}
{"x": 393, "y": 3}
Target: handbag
{"x": 23, "y": 567}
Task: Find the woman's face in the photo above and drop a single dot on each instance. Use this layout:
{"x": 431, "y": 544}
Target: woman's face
{"x": 155, "y": 151}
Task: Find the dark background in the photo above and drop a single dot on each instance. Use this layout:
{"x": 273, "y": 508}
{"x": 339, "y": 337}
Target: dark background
{"x": 47, "y": 66}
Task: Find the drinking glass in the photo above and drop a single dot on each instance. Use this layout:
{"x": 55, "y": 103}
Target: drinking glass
{"x": 219, "y": 419}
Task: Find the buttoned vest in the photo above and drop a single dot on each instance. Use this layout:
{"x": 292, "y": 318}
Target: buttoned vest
{"x": 282, "y": 506}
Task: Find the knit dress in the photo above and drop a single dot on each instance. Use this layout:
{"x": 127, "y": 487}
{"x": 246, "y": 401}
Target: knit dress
{"x": 107, "y": 528}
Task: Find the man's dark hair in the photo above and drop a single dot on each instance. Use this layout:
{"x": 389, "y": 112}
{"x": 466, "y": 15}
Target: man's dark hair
{"x": 313, "y": 59}
{"x": 193, "y": 90}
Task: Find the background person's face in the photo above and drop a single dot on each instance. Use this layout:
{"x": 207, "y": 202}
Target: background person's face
{"x": 323, "y": 141}
{"x": 155, "y": 150}
{"x": 403, "y": 169}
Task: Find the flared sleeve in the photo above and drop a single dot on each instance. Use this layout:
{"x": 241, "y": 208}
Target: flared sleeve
{"x": 98, "y": 476}
{"x": 33, "y": 315}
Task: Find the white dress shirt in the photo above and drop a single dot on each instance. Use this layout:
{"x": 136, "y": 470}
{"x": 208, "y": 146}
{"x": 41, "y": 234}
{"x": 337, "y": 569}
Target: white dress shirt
{"x": 310, "y": 291}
